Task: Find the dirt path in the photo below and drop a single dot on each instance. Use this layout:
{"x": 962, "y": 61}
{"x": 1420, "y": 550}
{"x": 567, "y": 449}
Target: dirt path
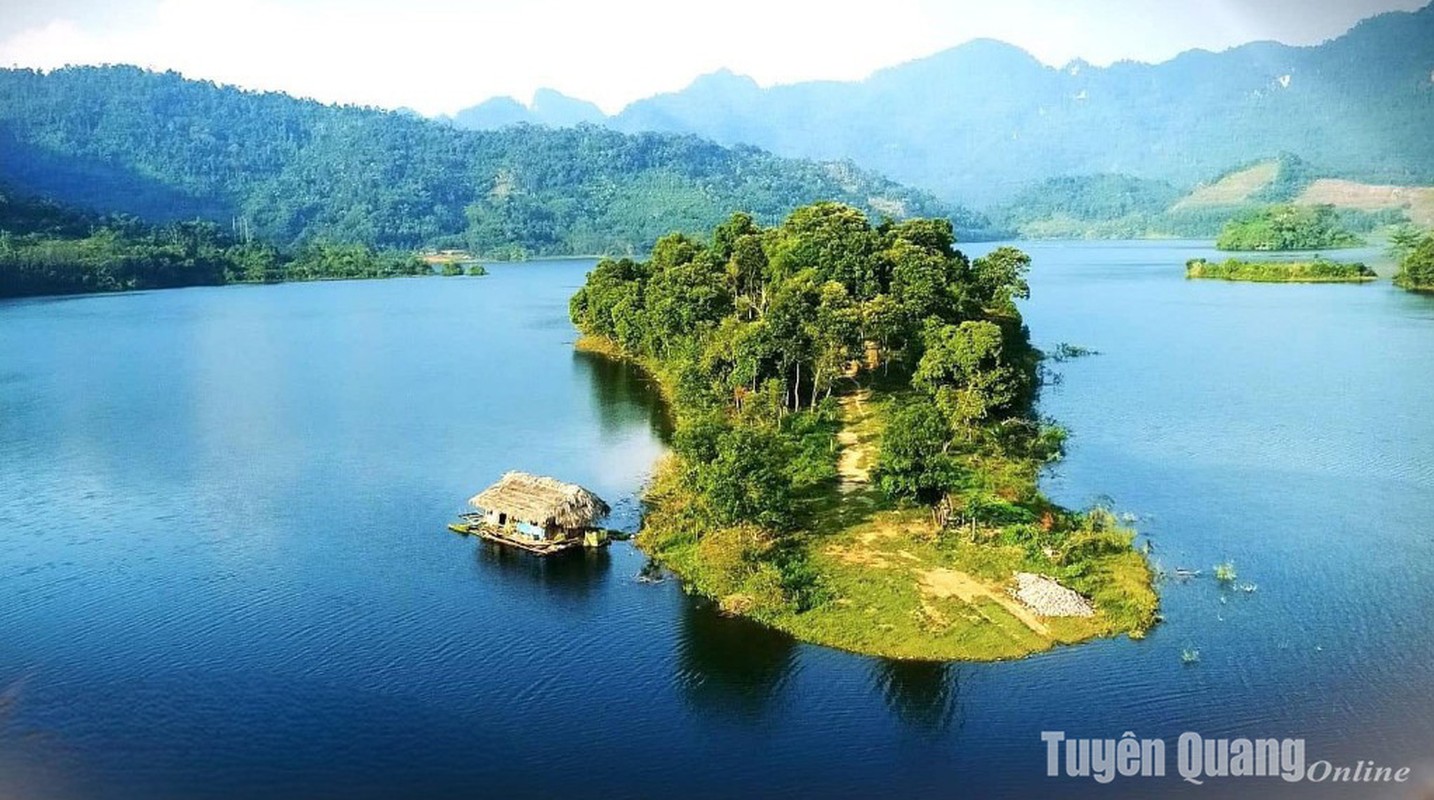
{"x": 951, "y": 583}
{"x": 854, "y": 463}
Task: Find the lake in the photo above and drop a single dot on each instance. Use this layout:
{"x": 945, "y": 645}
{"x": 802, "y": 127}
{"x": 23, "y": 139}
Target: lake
{"x": 226, "y": 574}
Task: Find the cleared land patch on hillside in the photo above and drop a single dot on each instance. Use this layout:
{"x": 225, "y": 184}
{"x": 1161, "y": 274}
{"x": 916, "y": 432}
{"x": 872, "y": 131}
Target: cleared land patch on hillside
{"x": 1233, "y": 189}
{"x": 1417, "y": 201}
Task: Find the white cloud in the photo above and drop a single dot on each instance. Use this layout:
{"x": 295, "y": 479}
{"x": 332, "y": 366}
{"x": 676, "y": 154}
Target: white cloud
{"x": 441, "y": 55}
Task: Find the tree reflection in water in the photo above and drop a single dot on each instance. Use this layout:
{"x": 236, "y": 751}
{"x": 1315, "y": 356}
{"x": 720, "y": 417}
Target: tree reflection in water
{"x": 922, "y": 694}
{"x": 731, "y": 665}
{"x": 574, "y": 574}
{"x": 623, "y": 394}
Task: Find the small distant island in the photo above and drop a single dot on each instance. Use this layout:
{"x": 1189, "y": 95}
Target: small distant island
{"x": 1287, "y": 227}
{"x": 1316, "y": 271}
{"x": 856, "y": 451}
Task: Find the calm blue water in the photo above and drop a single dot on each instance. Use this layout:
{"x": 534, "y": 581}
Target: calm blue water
{"x": 225, "y": 572}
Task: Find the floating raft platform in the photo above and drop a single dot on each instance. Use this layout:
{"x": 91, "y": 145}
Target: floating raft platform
{"x": 473, "y": 525}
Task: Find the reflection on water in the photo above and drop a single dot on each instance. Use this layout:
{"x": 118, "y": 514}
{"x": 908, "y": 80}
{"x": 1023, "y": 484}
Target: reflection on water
{"x": 922, "y": 694}
{"x": 625, "y": 395}
{"x": 33, "y": 762}
{"x": 575, "y": 573}
{"x": 730, "y": 665}
{"x": 229, "y": 572}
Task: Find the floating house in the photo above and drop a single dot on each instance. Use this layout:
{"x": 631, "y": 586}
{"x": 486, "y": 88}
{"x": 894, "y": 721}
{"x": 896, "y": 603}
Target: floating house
{"x": 536, "y": 513}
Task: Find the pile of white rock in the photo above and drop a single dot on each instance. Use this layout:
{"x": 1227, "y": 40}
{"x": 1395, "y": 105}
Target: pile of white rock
{"x": 1048, "y": 598}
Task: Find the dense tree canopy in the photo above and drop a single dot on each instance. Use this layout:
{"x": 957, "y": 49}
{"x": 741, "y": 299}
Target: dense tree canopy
{"x": 1286, "y": 227}
{"x": 46, "y": 249}
{"x": 1416, "y": 268}
{"x": 757, "y": 327}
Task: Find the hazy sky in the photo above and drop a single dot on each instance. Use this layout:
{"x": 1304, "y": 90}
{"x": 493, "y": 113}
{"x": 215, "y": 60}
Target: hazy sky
{"x": 442, "y": 55}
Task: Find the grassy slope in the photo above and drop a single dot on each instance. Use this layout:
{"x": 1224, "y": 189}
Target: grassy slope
{"x": 1418, "y": 201}
{"x": 1233, "y": 189}
{"x": 899, "y": 586}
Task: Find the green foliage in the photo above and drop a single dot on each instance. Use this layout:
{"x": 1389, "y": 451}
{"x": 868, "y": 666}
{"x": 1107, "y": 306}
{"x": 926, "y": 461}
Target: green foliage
{"x": 452, "y": 269}
{"x": 1292, "y": 176}
{"x": 965, "y": 370}
{"x": 45, "y": 249}
{"x": 1286, "y": 227}
{"x": 1104, "y": 205}
{"x": 1317, "y": 271}
{"x": 747, "y": 479}
{"x": 753, "y": 331}
{"x": 1403, "y": 239}
{"x": 292, "y": 171}
{"x": 1416, "y": 268}
{"x": 754, "y": 336}
{"x": 913, "y": 461}
{"x": 477, "y": 270}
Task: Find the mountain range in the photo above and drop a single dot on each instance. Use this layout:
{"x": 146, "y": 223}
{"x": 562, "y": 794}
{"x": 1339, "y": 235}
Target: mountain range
{"x": 978, "y": 123}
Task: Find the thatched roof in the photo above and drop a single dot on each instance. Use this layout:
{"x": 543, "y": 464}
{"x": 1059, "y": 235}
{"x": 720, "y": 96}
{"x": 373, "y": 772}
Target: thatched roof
{"x": 542, "y": 501}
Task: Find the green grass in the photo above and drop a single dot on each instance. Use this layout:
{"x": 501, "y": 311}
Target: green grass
{"x": 873, "y": 561}
{"x": 1317, "y": 271}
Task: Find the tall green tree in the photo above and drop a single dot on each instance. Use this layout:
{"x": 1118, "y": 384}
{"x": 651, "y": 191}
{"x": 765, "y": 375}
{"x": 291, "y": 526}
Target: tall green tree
{"x": 966, "y": 373}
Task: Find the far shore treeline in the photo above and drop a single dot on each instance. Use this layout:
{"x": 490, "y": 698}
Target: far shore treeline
{"x": 45, "y": 249}
{"x": 1286, "y": 227}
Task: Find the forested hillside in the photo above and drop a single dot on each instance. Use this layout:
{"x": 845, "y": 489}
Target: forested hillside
{"x": 1123, "y": 206}
{"x": 278, "y": 169}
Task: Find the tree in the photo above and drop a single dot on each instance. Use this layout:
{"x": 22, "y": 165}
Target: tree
{"x": 999, "y": 279}
{"x": 452, "y": 269}
{"x": 1403, "y": 239}
{"x": 965, "y": 373}
{"x": 834, "y": 239}
{"x": 913, "y": 462}
{"x": 685, "y": 294}
{"x": 788, "y": 318}
{"x": 888, "y": 326}
{"x": 835, "y": 333}
{"x": 1416, "y": 270}
{"x": 747, "y": 479}
{"x": 1286, "y": 227}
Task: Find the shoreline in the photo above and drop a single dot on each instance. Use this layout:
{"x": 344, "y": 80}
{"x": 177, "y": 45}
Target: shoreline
{"x": 902, "y": 590}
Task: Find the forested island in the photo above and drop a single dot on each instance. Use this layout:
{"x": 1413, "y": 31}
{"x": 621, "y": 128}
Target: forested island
{"x": 856, "y": 450}
{"x": 1316, "y": 271}
{"x": 1286, "y": 227}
